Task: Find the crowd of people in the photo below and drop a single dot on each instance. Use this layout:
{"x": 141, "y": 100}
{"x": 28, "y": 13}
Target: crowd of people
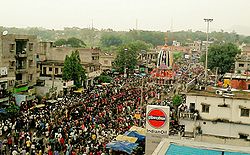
{"x": 77, "y": 124}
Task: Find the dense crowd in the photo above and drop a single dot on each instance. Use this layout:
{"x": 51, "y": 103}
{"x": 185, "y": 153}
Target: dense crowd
{"x": 78, "y": 123}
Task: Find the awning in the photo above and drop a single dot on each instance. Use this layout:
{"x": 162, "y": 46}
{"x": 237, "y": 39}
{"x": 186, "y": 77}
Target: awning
{"x": 80, "y": 90}
{"x": 140, "y": 130}
{"x": 122, "y": 146}
{"x": 135, "y": 134}
{"x": 126, "y": 138}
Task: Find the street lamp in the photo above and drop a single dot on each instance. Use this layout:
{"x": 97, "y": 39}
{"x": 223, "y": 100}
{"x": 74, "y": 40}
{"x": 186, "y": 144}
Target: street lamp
{"x": 208, "y": 20}
{"x": 125, "y": 74}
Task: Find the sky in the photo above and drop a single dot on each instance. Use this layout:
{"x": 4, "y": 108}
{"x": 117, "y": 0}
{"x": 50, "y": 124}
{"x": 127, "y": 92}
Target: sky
{"x": 159, "y": 15}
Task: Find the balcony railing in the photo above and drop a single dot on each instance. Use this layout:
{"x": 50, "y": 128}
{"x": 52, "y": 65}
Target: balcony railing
{"x": 188, "y": 115}
{"x": 21, "y": 55}
{"x": 21, "y": 69}
{"x": 20, "y": 83}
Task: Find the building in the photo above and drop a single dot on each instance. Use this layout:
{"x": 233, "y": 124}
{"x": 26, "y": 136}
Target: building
{"x": 4, "y": 95}
{"x": 51, "y": 61}
{"x": 240, "y": 81}
{"x": 106, "y": 60}
{"x": 214, "y": 113}
{"x": 148, "y": 58}
{"x": 19, "y": 53}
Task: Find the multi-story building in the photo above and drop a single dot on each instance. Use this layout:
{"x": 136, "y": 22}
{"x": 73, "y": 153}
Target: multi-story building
{"x": 52, "y": 61}
{"x": 148, "y": 58}
{"x": 217, "y": 114}
{"x": 106, "y": 60}
{"x": 19, "y": 53}
{"x": 4, "y": 95}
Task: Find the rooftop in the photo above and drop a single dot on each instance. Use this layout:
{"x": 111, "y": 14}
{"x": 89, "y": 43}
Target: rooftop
{"x": 211, "y": 92}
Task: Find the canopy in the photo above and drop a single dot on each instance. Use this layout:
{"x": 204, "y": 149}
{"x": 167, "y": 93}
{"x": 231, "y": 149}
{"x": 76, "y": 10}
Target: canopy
{"x": 139, "y": 130}
{"x": 135, "y": 134}
{"x": 122, "y": 146}
{"x": 126, "y": 138}
{"x": 80, "y": 90}
{"x": 52, "y": 101}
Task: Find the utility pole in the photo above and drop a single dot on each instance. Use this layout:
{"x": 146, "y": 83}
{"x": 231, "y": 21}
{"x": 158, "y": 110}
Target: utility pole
{"x": 141, "y": 102}
{"x": 125, "y": 74}
{"x": 53, "y": 79}
{"x": 208, "y": 20}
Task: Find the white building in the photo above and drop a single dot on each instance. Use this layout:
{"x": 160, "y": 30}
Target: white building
{"x": 218, "y": 116}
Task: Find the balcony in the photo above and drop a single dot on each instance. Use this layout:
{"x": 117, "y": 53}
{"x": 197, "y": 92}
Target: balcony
{"x": 21, "y": 70}
{"x": 94, "y": 73}
{"x": 21, "y": 55}
{"x": 20, "y": 83}
{"x": 188, "y": 115}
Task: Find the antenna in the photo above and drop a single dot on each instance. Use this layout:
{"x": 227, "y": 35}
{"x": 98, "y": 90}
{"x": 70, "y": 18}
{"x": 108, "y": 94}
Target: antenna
{"x": 92, "y": 24}
{"x": 5, "y": 33}
{"x": 171, "y": 28}
{"x": 136, "y": 24}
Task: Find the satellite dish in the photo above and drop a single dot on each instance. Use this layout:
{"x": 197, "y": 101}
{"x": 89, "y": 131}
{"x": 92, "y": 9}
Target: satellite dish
{"x": 5, "y": 33}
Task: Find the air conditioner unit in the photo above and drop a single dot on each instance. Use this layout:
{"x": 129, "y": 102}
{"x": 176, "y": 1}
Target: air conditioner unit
{"x": 219, "y": 92}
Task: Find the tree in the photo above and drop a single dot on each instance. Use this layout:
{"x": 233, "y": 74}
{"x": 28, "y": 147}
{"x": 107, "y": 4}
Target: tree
{"x": 74, "y": 42}
{"x": 73, "y": 70}
{"x": 177, "y": 55}
{"x": 60, "y": 42}
{"x": 221, "y": 56}
{"x": 177, "y": 100}
{"x": 127, "y": 55}
{"x": 108, "y": 40}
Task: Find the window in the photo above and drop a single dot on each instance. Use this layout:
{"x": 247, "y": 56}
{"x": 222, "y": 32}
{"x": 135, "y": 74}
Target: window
{"x": 30, "y": 77}
{"x": 12, "y": 64}
{"x": 61, "y": 69}
{"x": 241, "y": 65}
{"x": 56, "y": 70}
{"x": 244, "y": 113}
{"x": 37, "y": 56}
{"x": 12, "y": 47}
{"x": 50, "y": 69}
{"x": 205, "y": 108}
{"x": 243, "y": 136}
{"x": 106, "y": 61}
{"x": 30, "y": 63}
{"x": 44, "y": 70}
{"x": 30, "y": 46}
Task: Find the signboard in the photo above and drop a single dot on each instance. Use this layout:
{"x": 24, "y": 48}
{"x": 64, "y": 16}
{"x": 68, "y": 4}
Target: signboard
{"x": 157, "y": 126}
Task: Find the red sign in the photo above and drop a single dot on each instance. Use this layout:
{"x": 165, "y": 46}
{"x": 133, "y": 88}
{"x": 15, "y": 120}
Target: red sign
{"x": 156, "y": 118}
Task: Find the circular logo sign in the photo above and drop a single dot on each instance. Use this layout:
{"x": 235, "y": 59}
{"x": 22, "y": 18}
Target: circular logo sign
{"x": 156, "y": 118}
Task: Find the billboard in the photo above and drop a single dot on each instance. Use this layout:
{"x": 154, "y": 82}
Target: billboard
{"x": 157, "y": 126}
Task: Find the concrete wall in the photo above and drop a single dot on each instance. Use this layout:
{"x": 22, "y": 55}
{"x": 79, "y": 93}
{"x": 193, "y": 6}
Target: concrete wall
{"x": 232, "y": 112}
{"x": 8, "y": 56}
{"x": 106, "y": 62}
{"x": 59, "y": 54}
{"x": 216, "y": 128}
{"x": 42, "y": 90}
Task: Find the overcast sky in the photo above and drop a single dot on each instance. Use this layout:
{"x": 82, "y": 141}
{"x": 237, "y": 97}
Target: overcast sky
{"x": 122, "y": 14}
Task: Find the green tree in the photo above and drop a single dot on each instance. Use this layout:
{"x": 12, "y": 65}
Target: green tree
{"x": 74, "y": 42}
{"x": 60, "y": 42}
{"x": 127, "y": 55}
{"x": 177, "y": 55}
{"x": 73, "y": 70}
{"x": 177, "y": 100}
{"x": 222, "y": 56}
{"x": 108, "y": 40}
